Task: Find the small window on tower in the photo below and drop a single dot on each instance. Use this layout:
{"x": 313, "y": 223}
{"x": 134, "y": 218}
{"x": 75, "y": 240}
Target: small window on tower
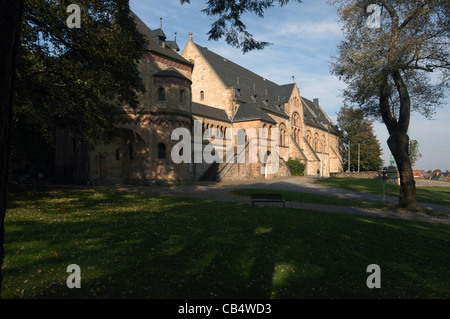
{"x": 161, "y": 94}
{"x": 161, "y": 150}
{"x": 202, "y": 95}
{"x": 181, "y": 96}
{"x": 131, "y": 151}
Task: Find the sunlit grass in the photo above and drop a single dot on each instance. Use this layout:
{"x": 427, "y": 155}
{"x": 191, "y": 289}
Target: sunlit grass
{"x": 154, "y": 246}
{"x": 437, "y": 195}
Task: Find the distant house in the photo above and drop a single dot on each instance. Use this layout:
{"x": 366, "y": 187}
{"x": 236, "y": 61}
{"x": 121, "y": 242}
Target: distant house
{"x": 425, "y": 174}
{"x": 447, "y": 175}
{"x": 418, "y": 173}
{"x": 438, "y": 176}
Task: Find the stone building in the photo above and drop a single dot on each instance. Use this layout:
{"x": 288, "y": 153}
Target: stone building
{"x": 199, "y": 85}
{"x": 251, "y": 101}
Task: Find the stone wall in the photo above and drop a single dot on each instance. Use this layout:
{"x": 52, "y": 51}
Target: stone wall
{"x": 371, "y": 174}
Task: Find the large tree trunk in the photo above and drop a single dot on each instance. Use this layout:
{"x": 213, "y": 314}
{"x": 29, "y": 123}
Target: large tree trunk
{"x": 398, "y": 140}
{"x": 10, "y": 25}
{"x": 398, "y": 144}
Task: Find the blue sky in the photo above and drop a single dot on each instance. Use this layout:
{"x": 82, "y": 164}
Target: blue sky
{"x": 304, "y": 37}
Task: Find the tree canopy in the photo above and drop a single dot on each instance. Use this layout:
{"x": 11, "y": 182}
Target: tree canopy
{"x": 229, "y": 20}
{"x": 400, "y": 66}
{"x": 56, "y": 74}
{"x": 358, "y": 138}
{"x": 77, "y": 76}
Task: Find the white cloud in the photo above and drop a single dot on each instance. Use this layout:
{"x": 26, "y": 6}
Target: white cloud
{"x": 301, "y": 30}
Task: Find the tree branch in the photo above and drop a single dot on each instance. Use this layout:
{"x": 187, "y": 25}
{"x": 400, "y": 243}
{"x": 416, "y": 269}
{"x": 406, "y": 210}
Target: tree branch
{"x": 413, "y": 15}
{"x": 385, "y": 111}
{"x": 405, "y": 101}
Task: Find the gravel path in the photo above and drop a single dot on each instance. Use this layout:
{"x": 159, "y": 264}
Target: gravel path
{"x": 221, "y": 191}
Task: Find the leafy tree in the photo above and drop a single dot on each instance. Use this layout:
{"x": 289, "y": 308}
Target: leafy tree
{"x": 387, "y": 69}
{"x": 51, "y": 73}
{"x": 358, "y": 130}
{"x": 414, "y": 153}
{"x": 229, "y": 24}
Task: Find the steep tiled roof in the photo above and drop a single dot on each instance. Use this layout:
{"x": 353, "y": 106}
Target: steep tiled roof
{"x": 252, "y": 111}
{"x": 209, "y": 112}
{"x": 315, "y": 116}
{"x": 171, "y": 72}
{"x": 248, "y": 83}
{"x": 153, "y": 44}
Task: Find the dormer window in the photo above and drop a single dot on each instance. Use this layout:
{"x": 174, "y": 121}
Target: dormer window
{"x": 254, "y": 98}
{"x": 238, "y": 92}
{"x": 266, "y": 102}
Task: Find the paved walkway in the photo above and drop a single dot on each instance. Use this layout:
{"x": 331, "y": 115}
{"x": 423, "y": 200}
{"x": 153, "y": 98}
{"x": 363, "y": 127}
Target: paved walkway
{"x": 221, "y": 191}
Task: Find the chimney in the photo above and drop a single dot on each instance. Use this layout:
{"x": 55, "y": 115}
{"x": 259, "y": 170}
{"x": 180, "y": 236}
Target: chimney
{"x": 316, "y": 102}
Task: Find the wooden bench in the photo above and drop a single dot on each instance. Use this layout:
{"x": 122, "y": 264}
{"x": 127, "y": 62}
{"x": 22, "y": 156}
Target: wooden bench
{"x": 267, "y": 198}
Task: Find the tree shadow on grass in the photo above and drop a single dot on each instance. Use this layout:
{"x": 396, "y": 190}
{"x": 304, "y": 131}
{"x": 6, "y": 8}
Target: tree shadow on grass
{"x": 148, "y": 246}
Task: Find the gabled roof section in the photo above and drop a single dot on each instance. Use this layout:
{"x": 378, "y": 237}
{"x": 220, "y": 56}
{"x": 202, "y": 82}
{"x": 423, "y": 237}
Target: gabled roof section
{"x": 315, "y": 116}
{"x": 171, "y": 72}
{"x": 249, "y": 85}
{"x": 153, "y": 41}
{"x": 209, "y": 112}
{"x": 251, "y": 112}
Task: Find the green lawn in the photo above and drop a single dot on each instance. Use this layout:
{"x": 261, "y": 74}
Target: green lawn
{"x": 140, "y": 246}
{"x": 436, "y": 195}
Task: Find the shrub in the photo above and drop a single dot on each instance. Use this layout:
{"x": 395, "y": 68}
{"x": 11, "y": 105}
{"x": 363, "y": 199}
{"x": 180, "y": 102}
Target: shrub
{"x": 297, "y": 168}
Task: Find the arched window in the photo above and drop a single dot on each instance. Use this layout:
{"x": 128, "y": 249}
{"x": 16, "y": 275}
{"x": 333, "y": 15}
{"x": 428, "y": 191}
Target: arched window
{"x": 295, "y": 119}
{"x": 161, "y": 151}
{"x": 264, "y": 132}
{"x": 282, "y": 132}
{"x": 316, "y": 142}
{"x": 202, "y": 95}
{"x": 161, "y": 94}
{"x": 241, "y": 137}
{"x": 309, "y": 138}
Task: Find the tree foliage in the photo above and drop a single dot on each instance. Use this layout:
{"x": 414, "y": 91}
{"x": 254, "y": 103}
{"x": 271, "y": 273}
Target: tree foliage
{"x": 53, "y": 74}
{"x": 400, "y": 67}
{"x": 80, "y": 76}
{"x": 229, "y": 24}
{"x": 412, "y": 44}
{"x": 357, "y": 132}
{"x": 414, "y": 153}
{"x": 296, "y": 167}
